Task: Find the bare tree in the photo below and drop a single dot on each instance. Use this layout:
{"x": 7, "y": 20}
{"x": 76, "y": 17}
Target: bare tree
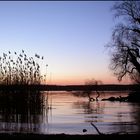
{"x": 92, "y": 82}
{"x": 125, "y": 41}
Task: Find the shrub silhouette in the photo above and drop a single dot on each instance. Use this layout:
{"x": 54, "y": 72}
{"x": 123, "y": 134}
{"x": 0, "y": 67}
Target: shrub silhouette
{"x": 89, "y": 91}
{"x": 19, "y": 69}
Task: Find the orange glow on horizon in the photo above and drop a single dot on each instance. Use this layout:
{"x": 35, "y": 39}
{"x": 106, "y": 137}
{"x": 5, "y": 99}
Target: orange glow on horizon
{"x": 75, "y": 78}
{"x": 81, "y": 81}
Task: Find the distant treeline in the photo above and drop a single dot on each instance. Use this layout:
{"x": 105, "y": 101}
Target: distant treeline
{"x": 72, "y": 87}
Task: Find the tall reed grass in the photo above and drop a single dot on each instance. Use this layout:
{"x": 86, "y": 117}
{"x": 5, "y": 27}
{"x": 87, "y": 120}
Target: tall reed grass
{"x": 20, "y": 69}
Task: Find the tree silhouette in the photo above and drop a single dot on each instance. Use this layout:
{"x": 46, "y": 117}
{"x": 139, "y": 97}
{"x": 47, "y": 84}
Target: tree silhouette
{"x": 125, "y": 41}
{"x": 92, "y": 82}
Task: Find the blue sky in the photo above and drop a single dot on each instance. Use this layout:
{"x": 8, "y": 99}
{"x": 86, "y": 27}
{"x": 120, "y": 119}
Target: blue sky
{"x": 71, "y": 35}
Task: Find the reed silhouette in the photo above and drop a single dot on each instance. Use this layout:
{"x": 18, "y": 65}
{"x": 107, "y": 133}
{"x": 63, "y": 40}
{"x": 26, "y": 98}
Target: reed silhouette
{"x": 19, "y": 69}
{"x": 22, "y": 111}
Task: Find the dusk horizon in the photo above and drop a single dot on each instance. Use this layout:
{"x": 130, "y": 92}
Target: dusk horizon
{"x": 71, "y": 36}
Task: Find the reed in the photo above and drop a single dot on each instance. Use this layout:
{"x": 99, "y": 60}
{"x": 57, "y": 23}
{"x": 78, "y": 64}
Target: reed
{"x": 20, "y": 69}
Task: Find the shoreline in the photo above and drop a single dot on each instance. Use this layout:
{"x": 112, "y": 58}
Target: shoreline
{"x": 104, "y": 87}
{"x": 66, "y": 136}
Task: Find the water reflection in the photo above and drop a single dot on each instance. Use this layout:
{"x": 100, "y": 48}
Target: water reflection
{"x": 111, "y": 117}
{"x": 56, "y": 112}
{"x": 22, "y": 111}
{"x": 90, "y": 107}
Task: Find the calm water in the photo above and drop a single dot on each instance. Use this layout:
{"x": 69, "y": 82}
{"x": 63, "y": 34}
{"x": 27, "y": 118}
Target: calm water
{"x": 63, "y": 112}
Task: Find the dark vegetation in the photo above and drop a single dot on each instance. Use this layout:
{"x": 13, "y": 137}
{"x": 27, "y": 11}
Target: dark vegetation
{"x": 19, "y": 69}
{"x": 19, "y": 106}
{"x": 125, "y": 43}
{"x": 132, "y": 97}
{"x": 95, "y": 83}
{"x": 20, "y": 101}
{"x": 68, "y": 137}
{"x": 70, "y": 88}
{"x": 88, "y": 88}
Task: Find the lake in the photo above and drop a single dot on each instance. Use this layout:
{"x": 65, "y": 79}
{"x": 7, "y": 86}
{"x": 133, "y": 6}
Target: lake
{"x": 66, "y": 112}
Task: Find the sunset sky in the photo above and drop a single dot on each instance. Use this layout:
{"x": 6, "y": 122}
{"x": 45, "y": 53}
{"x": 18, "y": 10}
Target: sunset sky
{"x": 71, "y": 35}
